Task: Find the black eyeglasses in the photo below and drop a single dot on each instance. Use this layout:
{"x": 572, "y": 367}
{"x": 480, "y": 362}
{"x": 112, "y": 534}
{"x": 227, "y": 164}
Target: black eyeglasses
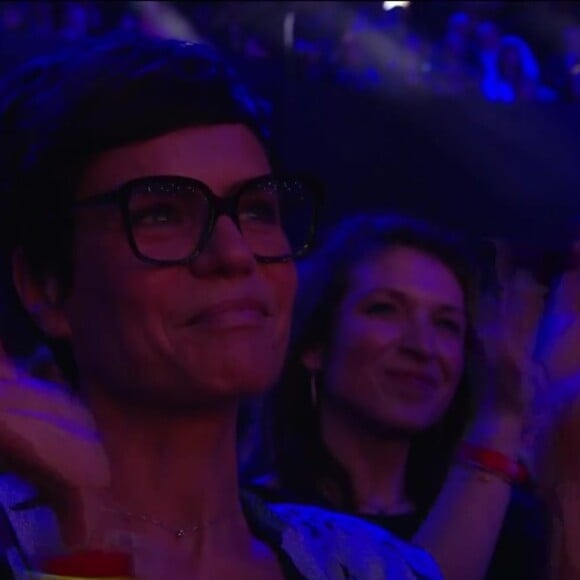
{"x": 169, "y": 219}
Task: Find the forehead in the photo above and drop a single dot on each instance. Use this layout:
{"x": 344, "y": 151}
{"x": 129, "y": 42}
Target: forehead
{"x": 219, "y": 155}
{"x": 410, "y": 271}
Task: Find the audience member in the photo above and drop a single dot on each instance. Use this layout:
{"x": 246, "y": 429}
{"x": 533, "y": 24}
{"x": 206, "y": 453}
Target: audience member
{"x": 388, "y": 384}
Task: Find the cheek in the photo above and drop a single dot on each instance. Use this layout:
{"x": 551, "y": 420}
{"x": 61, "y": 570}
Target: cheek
{"x": 103, "y": 264}
{"x": 107, "y": 282}
{"x": 117, "y": 304}
{"x": 358, "y": 349}
{"x": 283, "y": 281}
{"x": 452, "y": 359}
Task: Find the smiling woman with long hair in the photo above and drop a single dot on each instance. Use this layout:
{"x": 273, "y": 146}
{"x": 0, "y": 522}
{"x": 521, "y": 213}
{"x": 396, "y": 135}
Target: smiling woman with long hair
{"x": 379, "y": 400}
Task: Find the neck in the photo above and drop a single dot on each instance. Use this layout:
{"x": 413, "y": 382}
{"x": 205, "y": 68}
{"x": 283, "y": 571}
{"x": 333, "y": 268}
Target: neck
{"x": 179, "y": 470}
{"x": 374, "y": 461}
{"x": 183, "y": 465}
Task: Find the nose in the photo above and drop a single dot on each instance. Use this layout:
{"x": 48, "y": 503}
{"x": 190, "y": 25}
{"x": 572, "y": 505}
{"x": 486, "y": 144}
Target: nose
{"x": 417, "y": 338}
{"x": 226, "y": 253}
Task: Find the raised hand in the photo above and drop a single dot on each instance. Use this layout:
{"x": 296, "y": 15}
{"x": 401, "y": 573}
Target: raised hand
{"x": 48, "y": 437}
{"x": 558, "y": 346}
{"x": 462, "y": 528}
{"x": 506, "y": 325}
{"x": 558, "y": 434}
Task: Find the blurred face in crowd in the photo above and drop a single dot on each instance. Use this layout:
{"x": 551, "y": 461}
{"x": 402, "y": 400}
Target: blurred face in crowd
{"x": 397, "y": 352}
{"x": 458, "y": 30}
{"x": 510, "y": 63}
{"x": 176, "y": 335}
{"x": 571, "y": 40}
{"x": 488, "y": 36}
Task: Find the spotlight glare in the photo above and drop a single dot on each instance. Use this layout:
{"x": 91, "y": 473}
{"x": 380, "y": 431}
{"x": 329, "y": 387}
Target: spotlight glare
{"x": 396, "y": 4}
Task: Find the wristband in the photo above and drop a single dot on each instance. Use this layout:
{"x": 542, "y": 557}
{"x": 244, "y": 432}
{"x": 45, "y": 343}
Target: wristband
{"x": 492, "y": 462}
{"x": 94, "y": 564}
{"x": 42, "y": 576}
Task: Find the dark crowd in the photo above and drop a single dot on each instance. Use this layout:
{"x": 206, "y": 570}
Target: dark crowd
{"x": 500, "y": 51}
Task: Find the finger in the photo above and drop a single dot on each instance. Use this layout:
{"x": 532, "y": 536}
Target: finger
{"x": 42, "y": 397}
{"x": 75, "y": 427}
{"x": 522, "y": 306}
{"x": 559, "y": 353}
{"x": 557, "y": 342}
{"x": 503, "y": 261}
{"x": 486, "y": 311}
{"x": 565, "y": 299}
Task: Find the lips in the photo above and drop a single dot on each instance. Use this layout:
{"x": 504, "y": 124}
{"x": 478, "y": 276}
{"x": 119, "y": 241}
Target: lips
{"x": 240, "y": 312}
{"x": 413, "y": 378}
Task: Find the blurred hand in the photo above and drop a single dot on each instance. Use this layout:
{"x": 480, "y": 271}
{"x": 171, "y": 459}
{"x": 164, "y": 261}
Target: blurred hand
{"x": 556, "y": 420}
{"x": 558, "y": 345}
{"x": 506, "y": 325}
{"x": 48, "y": 437}
{"x": 558, "y": 350}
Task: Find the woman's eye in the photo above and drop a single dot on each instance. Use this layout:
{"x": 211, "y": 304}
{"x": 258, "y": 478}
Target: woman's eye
{"x": 450, "y": 325}
{"x": 260, "y": 211}
{"x": 382, "y": 308}
{"x": 155, "y": 215}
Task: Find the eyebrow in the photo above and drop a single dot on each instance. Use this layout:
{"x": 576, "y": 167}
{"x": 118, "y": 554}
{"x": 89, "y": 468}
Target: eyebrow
{"x": 405, "y": 298}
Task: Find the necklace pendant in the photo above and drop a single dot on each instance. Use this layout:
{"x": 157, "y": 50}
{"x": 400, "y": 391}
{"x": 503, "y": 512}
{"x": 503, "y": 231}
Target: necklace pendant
{"x": 179, "y": 533}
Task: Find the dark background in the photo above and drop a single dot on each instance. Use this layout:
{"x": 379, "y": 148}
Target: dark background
{"x": 480, "y": 167}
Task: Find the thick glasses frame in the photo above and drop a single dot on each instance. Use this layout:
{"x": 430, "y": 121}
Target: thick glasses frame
{"x": 218, "y": 206}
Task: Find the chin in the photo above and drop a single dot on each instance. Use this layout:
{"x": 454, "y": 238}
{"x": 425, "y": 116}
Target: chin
{"x": 407, "y": 422}
{"x": 237, "y": 380}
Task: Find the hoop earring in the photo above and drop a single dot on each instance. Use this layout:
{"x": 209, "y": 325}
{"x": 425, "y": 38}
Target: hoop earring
{"x": 313, "y": 390}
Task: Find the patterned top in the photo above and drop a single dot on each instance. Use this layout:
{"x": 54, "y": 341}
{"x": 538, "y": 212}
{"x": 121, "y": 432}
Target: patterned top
{"x": 312, "y": 543}
{"x": 325, "y": 545}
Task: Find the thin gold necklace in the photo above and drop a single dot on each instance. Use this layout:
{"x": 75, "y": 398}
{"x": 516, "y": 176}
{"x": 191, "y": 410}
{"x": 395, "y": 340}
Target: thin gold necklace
{"x": 177, "y": 532}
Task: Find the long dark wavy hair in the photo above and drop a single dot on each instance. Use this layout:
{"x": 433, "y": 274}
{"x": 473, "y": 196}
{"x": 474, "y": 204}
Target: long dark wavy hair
{"x": 296, "y": 453}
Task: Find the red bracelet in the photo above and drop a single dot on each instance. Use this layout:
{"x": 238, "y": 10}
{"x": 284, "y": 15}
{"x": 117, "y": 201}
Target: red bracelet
{"x": 90, "y": 564}
{"x": 493, "y": 462}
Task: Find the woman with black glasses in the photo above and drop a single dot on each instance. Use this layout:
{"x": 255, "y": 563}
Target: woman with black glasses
{"x": 153, "y": 246}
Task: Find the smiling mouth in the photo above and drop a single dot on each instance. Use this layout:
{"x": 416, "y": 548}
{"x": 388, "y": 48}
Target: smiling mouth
{"x": 234, "y": 314}
{"x": 413, "y": 379}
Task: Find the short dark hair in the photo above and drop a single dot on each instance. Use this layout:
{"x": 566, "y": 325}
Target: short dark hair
{"x": 59, "y": 111}
{"x": 301, "y": 461}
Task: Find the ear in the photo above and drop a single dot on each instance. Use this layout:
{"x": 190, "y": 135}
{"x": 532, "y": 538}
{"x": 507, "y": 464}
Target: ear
{"x": 42, "y": 299}
{"x": 313, "y": 358}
